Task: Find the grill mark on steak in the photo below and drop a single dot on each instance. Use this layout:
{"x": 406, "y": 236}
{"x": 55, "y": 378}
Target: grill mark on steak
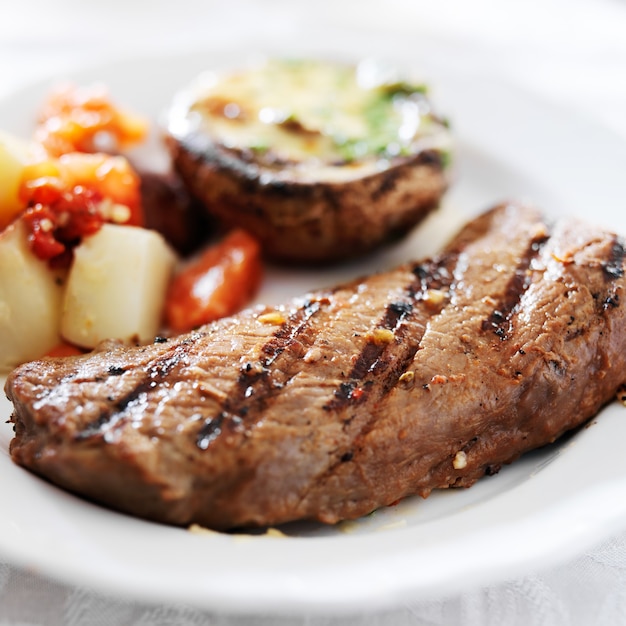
{"x": 500, "y": 320}
{"x": 212, "y": 428}
{"x": 436, "y": 274}
{"x": 256, "y": 383}
{"x": 613, "y": 267}
{"x": 368, "y": 360}
{"x": 296, "y": 325}
{"x": 156, "y": 375}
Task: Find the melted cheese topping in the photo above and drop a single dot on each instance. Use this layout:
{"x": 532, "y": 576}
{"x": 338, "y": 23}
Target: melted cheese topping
{"x": 328, "y": 118}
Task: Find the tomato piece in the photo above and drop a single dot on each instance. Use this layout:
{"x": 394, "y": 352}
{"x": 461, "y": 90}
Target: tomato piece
{"x": 71, "y": 197}
{"x": 40, "y": 223}
{"x": 56, "y": 227}
{"x": 219, "y": 283}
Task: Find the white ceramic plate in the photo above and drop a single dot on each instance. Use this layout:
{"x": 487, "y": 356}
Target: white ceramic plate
{"x": 547, "y": 506}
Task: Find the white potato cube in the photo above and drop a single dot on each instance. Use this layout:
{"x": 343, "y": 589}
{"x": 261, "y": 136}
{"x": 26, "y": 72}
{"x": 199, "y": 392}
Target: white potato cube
{"x": 116, "y": 286}
{"x": 14, "y": 154}
{"x": 30, "y": 300}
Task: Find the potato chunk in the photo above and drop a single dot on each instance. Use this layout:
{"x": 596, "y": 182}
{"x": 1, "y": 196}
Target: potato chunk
{"x": 116, "y": 286}
{"x": 13, "y": 156}
{"x": 30, "y": 300}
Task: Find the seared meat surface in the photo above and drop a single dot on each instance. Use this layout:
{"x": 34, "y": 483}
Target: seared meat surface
{"x": 345, "y": 400}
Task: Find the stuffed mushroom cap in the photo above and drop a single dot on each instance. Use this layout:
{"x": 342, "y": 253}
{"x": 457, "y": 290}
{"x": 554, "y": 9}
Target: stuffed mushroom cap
{"x": 321, "y": 161}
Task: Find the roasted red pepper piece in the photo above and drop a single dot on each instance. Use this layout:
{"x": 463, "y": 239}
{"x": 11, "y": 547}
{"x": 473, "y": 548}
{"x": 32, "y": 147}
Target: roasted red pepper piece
{"x": 219, "y": 283}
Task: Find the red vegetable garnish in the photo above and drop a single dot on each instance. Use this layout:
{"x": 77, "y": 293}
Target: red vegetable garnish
{"x": 40, "y": 221}
{"x": 71, "y": 197}
{"x": 219, "y": 283}
{"x": 59, "y": 225}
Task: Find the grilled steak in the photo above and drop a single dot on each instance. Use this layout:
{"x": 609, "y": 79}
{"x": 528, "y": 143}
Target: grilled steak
{"x": 346, "y": 400}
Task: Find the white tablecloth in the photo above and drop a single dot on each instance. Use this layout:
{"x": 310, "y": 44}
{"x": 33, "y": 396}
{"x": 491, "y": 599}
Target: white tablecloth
{"x": 590, "y": 590}
{"x": 572, "y": 52}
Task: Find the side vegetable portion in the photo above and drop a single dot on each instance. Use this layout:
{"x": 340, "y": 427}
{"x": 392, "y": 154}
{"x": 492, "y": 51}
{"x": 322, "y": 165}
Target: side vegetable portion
{"x": 77, "y": 265}
{"x": 30, "y": 300}
{"x": 116, "y": 286}
{"x": 220, "y": 282}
